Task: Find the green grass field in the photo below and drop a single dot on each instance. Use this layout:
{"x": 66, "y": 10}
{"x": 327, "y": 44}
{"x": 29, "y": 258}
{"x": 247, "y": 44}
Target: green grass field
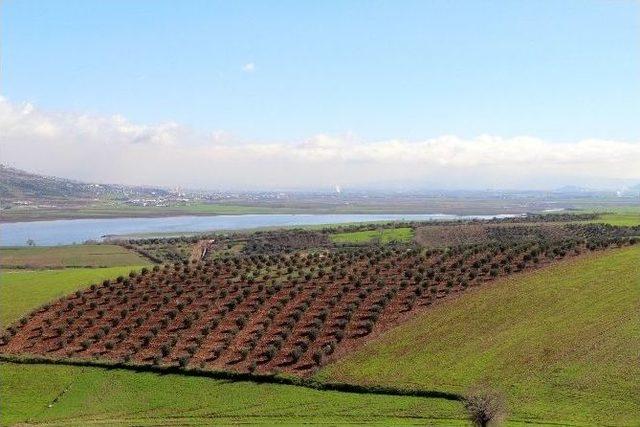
{"x": 624, "y": 216}
{"x": 385, "y": 235}
{"x": 109, "y": 210}
{"x": 68, "y": 256}
{"x": 560, "y": 343}
{"x": 101, "y": 396}
{"x": 21, "y": 291}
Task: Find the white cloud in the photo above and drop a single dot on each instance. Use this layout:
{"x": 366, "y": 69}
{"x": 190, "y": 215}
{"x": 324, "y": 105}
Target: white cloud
{"x": 113, "y": 149}
{"x": 249, "y": 67}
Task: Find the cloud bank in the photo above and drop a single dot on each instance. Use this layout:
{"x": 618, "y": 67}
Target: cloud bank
{"x": 113, "y": 149}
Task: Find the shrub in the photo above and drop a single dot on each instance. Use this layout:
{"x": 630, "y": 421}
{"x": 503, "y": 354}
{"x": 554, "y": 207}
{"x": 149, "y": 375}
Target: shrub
{"x": 165, "y": 349}
{"x": 317, "y": 357}
{"x": 312, "y": 334}
{"x": 191, "y": 349}
{"x": 183, "y": 361}
{"x": 296, "y": 354}
{"x": 146, "y": 339}
{"x": 241, "y": 321}
{"x": 367, "y": 326}
{"x": 187, "y": 322}
{"x": 484, "y": 407}
{"x": 270, "y": 352}
{"x": 244, "y": 352}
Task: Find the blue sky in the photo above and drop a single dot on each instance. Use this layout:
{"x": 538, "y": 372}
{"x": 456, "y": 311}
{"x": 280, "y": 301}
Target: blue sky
{"x": 561, "y": 70}
{"x": 310, "y": 94}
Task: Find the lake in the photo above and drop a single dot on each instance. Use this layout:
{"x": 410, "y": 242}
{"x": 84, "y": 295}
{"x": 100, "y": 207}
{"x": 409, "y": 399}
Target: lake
{"x": 64, "y": 232}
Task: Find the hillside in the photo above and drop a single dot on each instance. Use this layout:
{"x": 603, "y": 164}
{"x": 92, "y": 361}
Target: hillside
{"x": 267, "y": 312}
{"x": 83, "y": 395}
{"x": 20, "y": 186}
{"x": 93, "y": 396}
{"x": 560, "y": 343}
{"x": 24, "y": 290}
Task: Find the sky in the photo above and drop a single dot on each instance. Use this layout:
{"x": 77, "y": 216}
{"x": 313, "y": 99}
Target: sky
{"x": 302, "y": 94}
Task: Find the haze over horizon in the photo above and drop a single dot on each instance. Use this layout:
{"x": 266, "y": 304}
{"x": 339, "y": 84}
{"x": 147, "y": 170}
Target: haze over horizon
{"x": 205, "y": 95}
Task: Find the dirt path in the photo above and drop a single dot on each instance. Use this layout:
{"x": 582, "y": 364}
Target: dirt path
{"x": 200, "y": 249}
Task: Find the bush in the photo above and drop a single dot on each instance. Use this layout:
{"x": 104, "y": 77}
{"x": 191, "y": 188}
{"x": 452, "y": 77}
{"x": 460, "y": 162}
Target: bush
{"x": 484, "y": 407}
{"x": 296, "y": 354}
{"x": 317, "y": 357}
{"x": 367, "y": 326}
{"x": 244, "y": 352}
{"x": 183, "y": 361}
{"x": 187, "y": 322}
{"x": 165, "y": 349}
{"x": 270, "y": 352}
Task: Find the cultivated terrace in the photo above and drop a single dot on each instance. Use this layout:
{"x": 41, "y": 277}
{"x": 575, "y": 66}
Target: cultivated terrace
{"x": 289, "y": 301}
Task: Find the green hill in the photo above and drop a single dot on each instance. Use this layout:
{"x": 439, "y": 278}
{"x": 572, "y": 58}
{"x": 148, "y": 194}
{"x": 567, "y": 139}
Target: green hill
{"x": 83, "y": 396}
{"x": 561, "y": 343}
{"x": 23, "y": 290}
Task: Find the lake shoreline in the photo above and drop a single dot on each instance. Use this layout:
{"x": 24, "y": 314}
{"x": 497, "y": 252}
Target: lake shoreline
{"x": 61, "y": 231}
{"x": 70, "y": 215}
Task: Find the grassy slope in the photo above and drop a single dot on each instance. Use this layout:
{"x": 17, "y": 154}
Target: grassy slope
{"x": 562, "y": 343}
{"x": 21, "y": 291}
{"x": 625, "y": 217}
{"x": 616, "y": 215}
{"x": 386, "y": 235}
{"x": 125, "y": 397}
{"x": 69, "y": 256}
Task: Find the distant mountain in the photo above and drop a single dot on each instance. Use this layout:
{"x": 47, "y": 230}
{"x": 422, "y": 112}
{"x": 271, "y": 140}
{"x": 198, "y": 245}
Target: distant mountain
{"x": 19, "y": 185}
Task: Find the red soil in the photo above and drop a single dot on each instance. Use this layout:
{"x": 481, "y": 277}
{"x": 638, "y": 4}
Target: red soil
{"x": 215, "y": 315}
